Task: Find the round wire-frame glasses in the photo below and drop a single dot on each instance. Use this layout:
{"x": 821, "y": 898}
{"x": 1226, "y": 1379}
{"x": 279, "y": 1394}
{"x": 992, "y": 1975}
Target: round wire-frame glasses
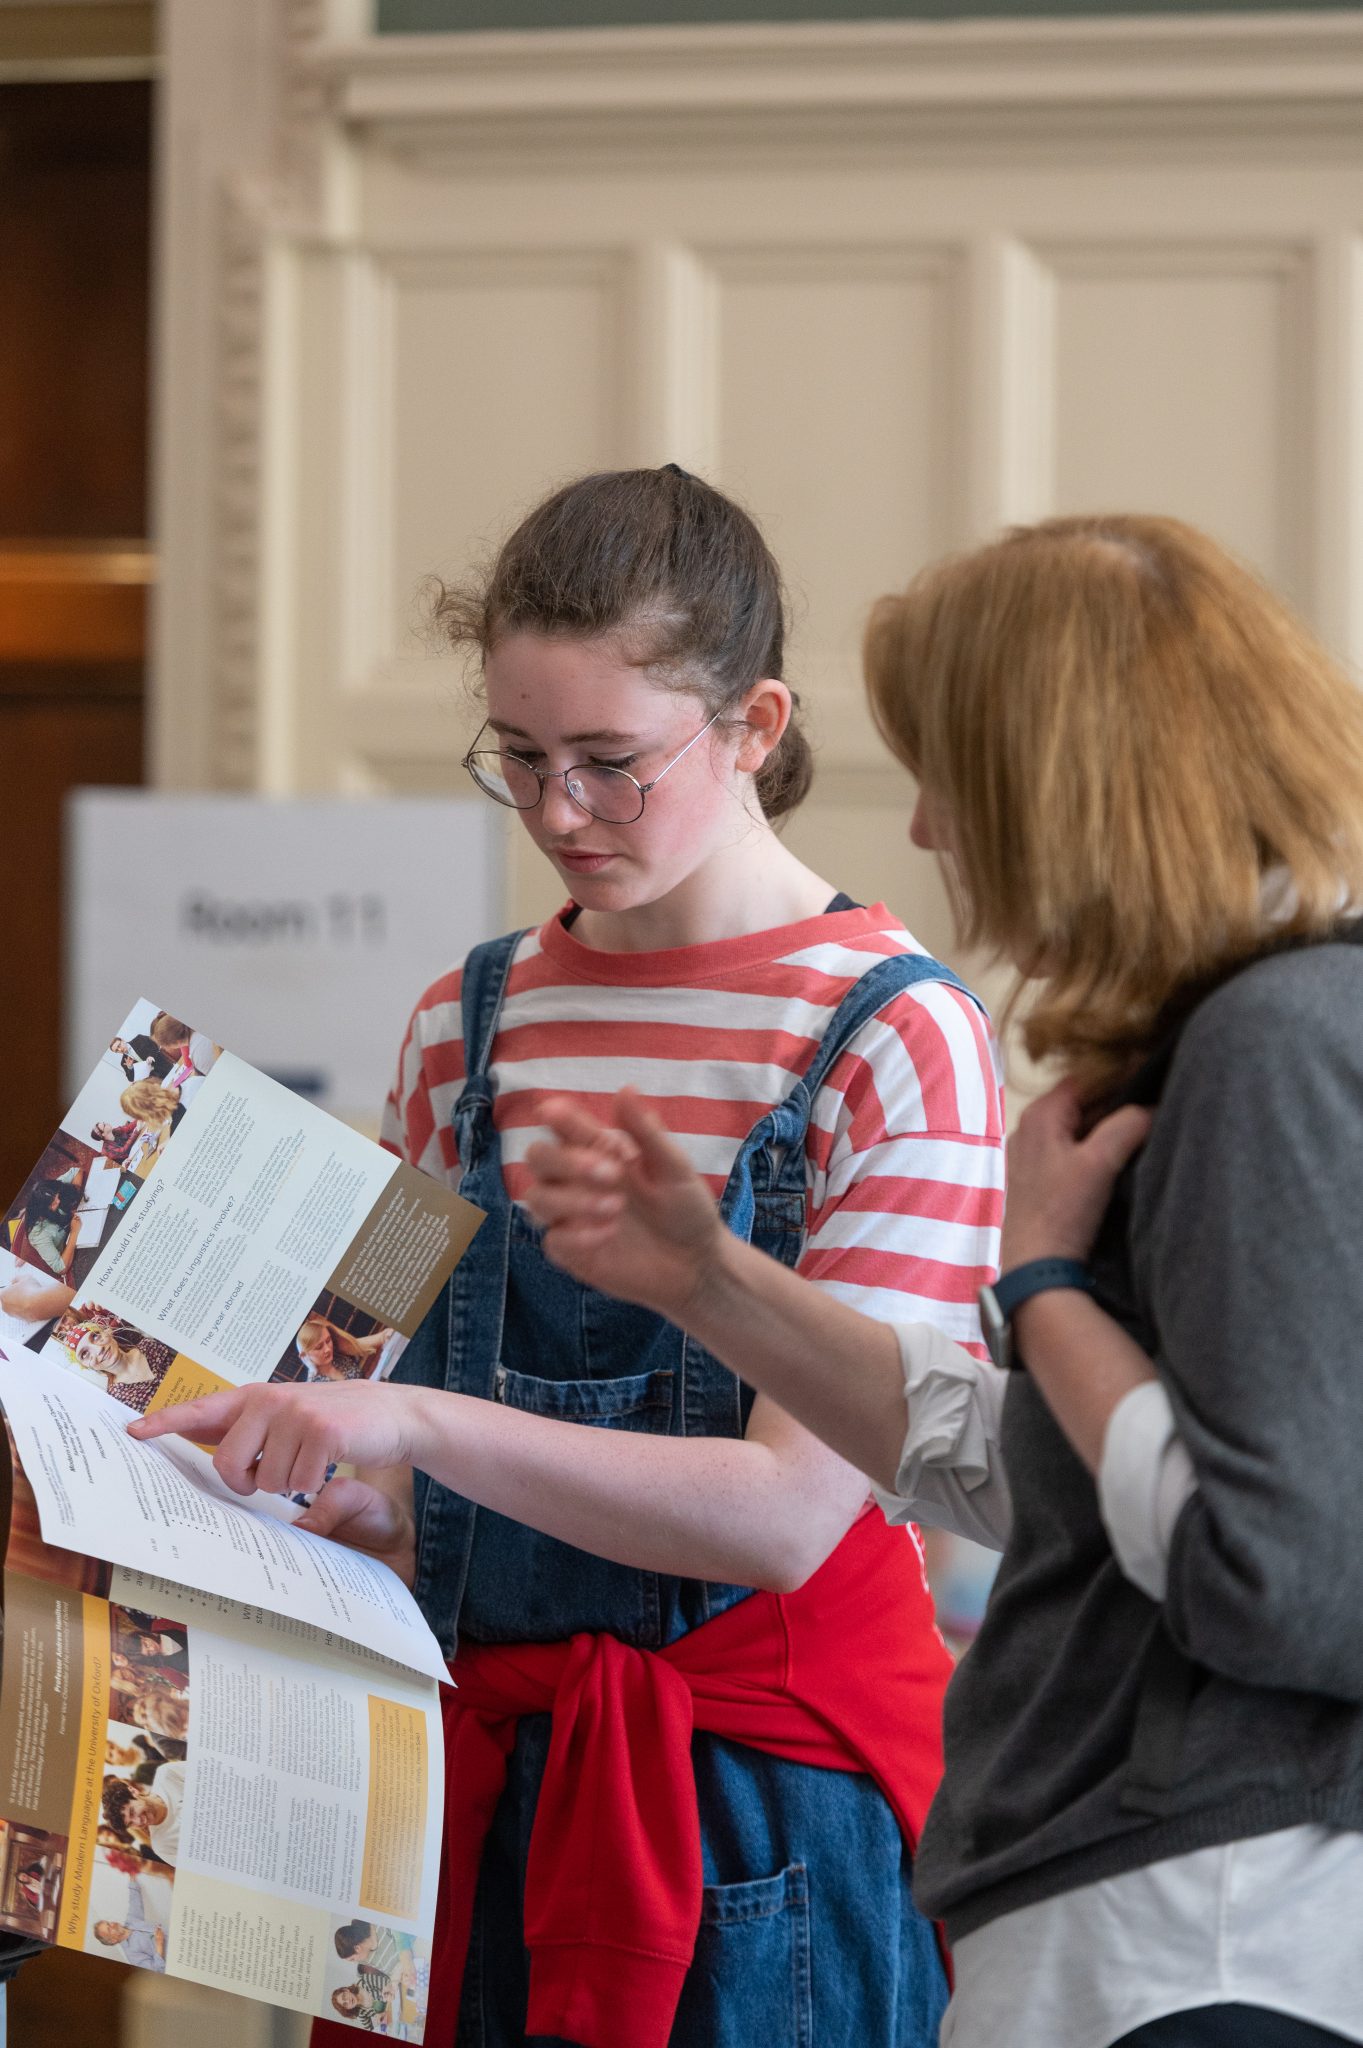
{"x": 609, "y": 794}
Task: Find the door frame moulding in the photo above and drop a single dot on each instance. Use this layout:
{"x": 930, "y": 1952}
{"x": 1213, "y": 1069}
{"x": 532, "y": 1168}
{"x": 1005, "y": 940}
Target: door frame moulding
{"x": 845, "y": 72}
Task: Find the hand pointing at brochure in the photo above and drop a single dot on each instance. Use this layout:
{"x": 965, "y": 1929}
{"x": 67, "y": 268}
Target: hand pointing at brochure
{"x": 283, "y": 1439}
{"x": 260, "y": 1433}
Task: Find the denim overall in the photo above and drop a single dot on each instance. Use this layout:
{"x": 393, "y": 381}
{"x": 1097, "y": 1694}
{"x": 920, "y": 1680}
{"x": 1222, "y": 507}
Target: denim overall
{"x": 809, "y": 1937}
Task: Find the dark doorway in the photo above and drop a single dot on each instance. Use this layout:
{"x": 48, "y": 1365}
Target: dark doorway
{"x": 75, "y": 181}
{"x": 75, "y": 175}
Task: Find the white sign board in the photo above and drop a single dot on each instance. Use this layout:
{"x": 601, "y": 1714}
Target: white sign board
{"x": 299, "y": 931}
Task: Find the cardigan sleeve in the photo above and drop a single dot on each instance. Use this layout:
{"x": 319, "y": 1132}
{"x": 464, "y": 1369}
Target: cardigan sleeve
{"x": 950, "y": 1469}
{"x": 1245, "y": 1244}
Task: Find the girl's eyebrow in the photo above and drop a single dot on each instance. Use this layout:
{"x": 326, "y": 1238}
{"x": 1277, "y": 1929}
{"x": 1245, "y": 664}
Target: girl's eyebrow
{"x": 572, "y": 739}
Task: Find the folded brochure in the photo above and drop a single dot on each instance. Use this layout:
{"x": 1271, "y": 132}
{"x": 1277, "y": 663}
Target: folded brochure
{"x": 220, "y": 1746}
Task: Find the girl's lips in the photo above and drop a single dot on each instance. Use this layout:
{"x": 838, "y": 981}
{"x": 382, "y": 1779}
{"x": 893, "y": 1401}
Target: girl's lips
{"x": 583, "y": 862}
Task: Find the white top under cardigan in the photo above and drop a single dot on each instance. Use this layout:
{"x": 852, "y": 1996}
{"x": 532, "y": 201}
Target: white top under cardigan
{"x": 1272, "y": 1921}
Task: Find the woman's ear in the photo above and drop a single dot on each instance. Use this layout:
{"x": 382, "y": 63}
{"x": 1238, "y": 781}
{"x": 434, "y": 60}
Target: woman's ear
{"x": 766, "y": 713}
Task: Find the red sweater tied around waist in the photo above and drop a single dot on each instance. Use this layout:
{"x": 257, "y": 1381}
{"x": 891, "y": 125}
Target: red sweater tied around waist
{"x": 846, "y": 1674}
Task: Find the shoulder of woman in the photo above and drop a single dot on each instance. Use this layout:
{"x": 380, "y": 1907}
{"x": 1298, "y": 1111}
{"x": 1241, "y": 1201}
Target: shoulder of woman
{"x": 1268, "y": 1070}
{"x": 1278, "y": 1018}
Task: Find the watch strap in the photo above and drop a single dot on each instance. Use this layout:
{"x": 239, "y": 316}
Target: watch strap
{"x": 1019, "y": 1284}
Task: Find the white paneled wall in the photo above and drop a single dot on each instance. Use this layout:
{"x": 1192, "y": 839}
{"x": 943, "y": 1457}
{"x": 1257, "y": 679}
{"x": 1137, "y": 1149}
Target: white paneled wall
{"x": 1182, "y": 380}
{"x": 892, "y": 284}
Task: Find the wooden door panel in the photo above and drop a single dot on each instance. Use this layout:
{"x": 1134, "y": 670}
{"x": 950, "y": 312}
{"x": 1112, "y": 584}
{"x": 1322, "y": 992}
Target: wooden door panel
{"x": 47, "y": 745}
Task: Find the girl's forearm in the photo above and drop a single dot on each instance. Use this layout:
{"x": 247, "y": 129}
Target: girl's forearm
{"x": 737, "y": 1510}
{"x": 836, "y": 1371}
{"x": 1083, "y": 1362}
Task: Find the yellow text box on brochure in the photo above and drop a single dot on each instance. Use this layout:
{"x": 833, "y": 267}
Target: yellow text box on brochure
{"x": 86, "y": 1798}
{"x": 186, "y": 1381}
{"x": 395, "y": 1826}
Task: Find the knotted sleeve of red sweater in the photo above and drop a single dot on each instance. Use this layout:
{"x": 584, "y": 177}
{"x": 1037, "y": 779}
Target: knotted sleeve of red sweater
{"x": 846, "y": 1674}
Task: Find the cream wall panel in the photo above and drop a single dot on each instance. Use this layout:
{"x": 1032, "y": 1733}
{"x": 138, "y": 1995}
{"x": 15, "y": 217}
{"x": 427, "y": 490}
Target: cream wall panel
{"x": 1183, "y": 381}
{"x": 507, "y": 373}
{"x": 428, "y": 399}
{"x": 838, "y": 423}
{"x": 533, "y": 889}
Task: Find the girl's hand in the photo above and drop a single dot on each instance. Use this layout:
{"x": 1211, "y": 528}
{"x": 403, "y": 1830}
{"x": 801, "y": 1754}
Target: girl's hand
{"x": 352, "y": 1512}
{"x": 1059, "y": 1184}
{"x": 622, "y": 1207}
{"x": 282, "y": 1439}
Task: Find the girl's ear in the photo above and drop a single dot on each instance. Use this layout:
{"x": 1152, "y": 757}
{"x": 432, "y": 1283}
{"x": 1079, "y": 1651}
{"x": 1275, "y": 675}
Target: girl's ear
{"x": 766, "y": 713}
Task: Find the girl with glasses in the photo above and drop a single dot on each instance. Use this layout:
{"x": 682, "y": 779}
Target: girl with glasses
{"x": 699, "y": 1683}
{"x": 1145, "y": 780}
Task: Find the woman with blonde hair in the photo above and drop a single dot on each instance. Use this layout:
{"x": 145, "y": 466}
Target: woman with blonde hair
{"x": 1144, "y": 779}
{"x": 151, "y": 1102}
{"x": 331, "y": 1353}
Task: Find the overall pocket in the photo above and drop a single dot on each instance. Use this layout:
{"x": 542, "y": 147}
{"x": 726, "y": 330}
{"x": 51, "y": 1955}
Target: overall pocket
{"x": 523, "y": 1586}
{"x": 750, "y": 1980}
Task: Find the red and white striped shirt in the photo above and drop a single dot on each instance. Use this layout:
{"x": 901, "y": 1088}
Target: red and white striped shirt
{"x": 904, "y": 1158}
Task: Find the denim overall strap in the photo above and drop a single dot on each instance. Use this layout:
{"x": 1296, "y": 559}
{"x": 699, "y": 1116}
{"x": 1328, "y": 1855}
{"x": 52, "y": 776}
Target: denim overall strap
{"x": 482, "y": 993}
{"x": 460, "y": 1340}
{"x": 773, "y": 1154}
{"x": 765, "y": 1198}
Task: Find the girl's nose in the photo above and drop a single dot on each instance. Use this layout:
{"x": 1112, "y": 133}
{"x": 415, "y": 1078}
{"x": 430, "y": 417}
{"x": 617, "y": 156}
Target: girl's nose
{"x": 561, "y": 813}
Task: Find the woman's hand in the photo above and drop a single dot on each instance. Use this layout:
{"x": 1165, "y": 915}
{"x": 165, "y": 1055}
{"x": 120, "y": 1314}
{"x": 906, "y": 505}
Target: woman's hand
{"x": 622, "y": 1206}
{"x": 1059, "y": 1184}
{"x": 283, "y": 1439}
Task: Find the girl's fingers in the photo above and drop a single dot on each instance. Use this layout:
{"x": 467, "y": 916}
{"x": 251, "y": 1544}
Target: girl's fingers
{"x": 567, "y": 1243}
{"x": 572, "y": 1123}
{"x": 309, "y": 1471}
{"x": 335, "y": 1504}
{"x": 573, "y": 1163}
{"x": 560, "y": 1205}
{"x": 203, "y": 1421}
{"x": 239, "y": 1453}
{"x": 280, "y": 1453}
{"x": 664, "y": 1159}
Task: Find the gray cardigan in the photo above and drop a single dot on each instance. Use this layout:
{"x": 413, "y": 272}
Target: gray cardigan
{"x": 1090, "y": 1731}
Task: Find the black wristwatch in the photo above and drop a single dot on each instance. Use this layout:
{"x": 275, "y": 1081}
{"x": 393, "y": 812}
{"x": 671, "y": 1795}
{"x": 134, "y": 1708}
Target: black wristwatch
{"x": 1001, "y": 1302}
